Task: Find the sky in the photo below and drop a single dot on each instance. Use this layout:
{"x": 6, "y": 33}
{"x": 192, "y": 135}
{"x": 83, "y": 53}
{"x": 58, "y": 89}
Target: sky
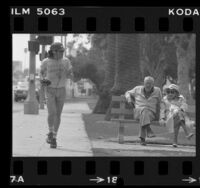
{"x": 20, "y": 42}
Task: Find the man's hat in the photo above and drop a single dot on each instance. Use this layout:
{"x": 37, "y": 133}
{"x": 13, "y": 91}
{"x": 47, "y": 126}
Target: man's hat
{"x": 57, "y": 46}
{"x": 174, "y": 86}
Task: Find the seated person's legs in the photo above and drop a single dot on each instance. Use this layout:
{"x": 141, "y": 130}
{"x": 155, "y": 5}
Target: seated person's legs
{"x": 147, "y": 116}
{"x": 150, "y": 133}
{"x": 188, "y": 135}
{"x": 145, "y": 119}
{"x": 176, "y": 130}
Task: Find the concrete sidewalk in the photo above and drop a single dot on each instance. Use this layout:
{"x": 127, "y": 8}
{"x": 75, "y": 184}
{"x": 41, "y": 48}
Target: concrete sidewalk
{"x": 29, "y": 133}
{"x": 111, "y": 147}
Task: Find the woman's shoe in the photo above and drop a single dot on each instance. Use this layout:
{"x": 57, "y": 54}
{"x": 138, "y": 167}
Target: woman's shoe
{"x": 190, "y": 136}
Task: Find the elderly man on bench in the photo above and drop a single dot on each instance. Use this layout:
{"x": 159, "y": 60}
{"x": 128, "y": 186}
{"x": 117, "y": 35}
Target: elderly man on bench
{"x": 145, "y": 100}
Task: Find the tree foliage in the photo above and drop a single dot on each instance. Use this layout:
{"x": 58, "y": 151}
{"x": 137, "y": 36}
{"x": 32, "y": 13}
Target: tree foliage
{"x": 118, "y": 62}
{"x": 89, "y": 65}
{"x": 157, "y": 57}
{"x": 186, "y": 54}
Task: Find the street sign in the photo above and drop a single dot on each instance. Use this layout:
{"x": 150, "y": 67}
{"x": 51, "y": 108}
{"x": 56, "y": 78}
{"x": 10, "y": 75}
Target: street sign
{"x": 33, "y": 46}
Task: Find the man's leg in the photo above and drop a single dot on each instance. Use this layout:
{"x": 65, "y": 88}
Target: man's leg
{"x": 60, "y": 100}
{"x": 143, "y": 131}
{"x": 59, "y": 108}
{"x": 142, "y": 134}
{"x": 51, "y": 106}
{"x": 150, "y": 133}
{"x": 144, "y": 123}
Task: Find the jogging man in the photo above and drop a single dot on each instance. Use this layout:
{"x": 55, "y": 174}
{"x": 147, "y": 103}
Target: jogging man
{"x": 55, "y": 69}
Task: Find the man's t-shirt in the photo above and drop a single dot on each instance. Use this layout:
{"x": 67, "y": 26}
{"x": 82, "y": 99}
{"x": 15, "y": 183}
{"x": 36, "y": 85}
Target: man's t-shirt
{"x": 56, "y": 71}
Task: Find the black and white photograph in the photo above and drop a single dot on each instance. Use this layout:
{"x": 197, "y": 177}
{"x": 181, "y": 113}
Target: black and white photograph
{"x": 104, "y": 95}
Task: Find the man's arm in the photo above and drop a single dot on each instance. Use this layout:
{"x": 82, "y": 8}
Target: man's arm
{"x": 130, "y": 97}
{"x": 158, "y": 104}
{"x": 162, "y": 110}
{"x": 43, "y": 69}
{"x": 129, "y": 94}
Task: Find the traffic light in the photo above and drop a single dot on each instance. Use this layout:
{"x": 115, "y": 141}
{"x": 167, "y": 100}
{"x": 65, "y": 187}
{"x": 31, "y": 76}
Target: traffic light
{"x": 33, "y": 46}
{"x": 45, "y": 40}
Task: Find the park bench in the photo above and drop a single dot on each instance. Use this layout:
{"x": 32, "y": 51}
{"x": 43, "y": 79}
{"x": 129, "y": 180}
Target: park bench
{"x": 123, "y": 115}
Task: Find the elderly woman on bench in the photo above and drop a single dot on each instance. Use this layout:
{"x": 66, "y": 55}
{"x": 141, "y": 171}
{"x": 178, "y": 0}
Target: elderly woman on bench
{"x": 173, "y": 112}
{"x": 145, "y": 100}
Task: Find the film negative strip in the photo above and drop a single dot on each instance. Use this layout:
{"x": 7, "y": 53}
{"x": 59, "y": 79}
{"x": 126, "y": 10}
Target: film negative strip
{"x": 104, "y": 52}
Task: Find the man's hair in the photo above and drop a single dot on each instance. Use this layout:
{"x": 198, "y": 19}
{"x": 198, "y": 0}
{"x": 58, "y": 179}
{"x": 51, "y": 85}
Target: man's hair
{"x": 50, "y": 54}
{"x": 149, "y": 78}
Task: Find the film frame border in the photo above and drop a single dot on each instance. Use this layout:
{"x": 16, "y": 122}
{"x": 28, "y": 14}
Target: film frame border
{"x": 113, "y": 20}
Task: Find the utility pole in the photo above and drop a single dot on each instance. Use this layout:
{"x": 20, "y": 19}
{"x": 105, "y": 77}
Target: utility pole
{"x": 43, "y": 41}
{"x": 65, "y": 44}
{"x": 31, "y": 104}
{"x": 42, "y": 90}
{"x": 61, "y": 39}
{"x": 24, "y": 64}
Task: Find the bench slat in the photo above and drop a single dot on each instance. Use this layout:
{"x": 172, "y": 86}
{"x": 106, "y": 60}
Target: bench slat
{"x": 118, "y": 98}
{"x": 121, "y": 111}
{"x": 156, "y": 123}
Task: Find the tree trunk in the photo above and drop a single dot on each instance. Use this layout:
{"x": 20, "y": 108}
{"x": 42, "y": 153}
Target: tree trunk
{"x": 153, "y": 57}
{"x": 104, "y": 92}
{"x": 186, "y": 57}
{"x": 183, "y": 72}
{"x": 127, "y": 67}
{"x": 128, "y": 73}
{"x": 110, "y": 62}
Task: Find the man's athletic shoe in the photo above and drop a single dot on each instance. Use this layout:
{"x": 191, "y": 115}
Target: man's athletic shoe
{"x": 53, "y": 143}
{"x": 49, "y": 137}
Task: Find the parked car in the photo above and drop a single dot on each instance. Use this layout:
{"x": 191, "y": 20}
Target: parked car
{"x": 21, "y": 92}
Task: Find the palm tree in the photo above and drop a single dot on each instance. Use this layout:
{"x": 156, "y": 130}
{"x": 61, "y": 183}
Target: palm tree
{"x": 185, "y": 52}
{"x": 110, "y": 59}
{"x": 104, "y": 93}
{"x": 128, "y": 74}
{"x": 127, "y": 69}
{"x": 153, "y": 56}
